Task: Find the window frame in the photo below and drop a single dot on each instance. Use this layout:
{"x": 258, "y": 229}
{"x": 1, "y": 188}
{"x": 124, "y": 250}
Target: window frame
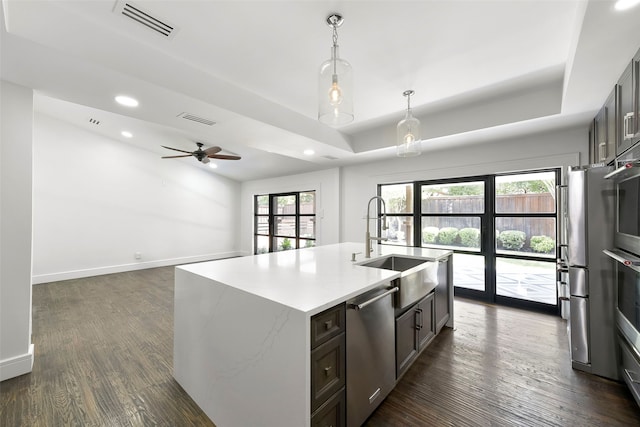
{"x": 488, "y": 242}
{"x": 272, "y": 215}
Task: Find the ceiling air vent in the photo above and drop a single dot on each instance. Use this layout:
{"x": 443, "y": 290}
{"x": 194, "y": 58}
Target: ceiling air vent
{"x": 195, "y": 118}
{"x": 94, "y": 121}
{"x": 330, "y": 157}
{"x": 144, "y": 17}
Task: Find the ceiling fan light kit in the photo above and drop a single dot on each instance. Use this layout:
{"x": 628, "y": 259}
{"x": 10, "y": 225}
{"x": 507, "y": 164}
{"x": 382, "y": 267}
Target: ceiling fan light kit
{"x": 335, "y": 84}
{"x": 408, "y": 130}
{"x": 203, "y": 156}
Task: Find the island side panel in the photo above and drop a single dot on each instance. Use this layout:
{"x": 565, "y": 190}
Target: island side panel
{"x": 243, "y": 359}
{"x": 451, "y": 291}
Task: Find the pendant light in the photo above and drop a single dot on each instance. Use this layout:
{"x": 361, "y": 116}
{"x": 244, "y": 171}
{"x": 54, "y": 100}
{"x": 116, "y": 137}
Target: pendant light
{"x": 335, "y": 88}
{"x": 408, "y": 144}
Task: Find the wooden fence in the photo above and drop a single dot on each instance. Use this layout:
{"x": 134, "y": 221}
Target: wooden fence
{"x": 505, "y": 204}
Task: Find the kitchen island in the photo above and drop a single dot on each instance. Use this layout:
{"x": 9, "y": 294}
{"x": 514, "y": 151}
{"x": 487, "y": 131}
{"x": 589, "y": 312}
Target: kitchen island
{"x": 242, "y": 332}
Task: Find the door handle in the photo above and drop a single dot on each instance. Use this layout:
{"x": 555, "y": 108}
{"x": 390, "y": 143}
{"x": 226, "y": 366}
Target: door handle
{"x": 633, "y": 377}
{"x": 374, "y": 299}
{"x": 627, "y": 260}
{"x": 418, "y": 318}
{"x": 628, "y": 126}
{"x": 602, "y": 148}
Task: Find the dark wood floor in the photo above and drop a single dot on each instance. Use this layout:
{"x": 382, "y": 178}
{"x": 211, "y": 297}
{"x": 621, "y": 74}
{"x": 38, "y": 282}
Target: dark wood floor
{"x": 104, "y": 350}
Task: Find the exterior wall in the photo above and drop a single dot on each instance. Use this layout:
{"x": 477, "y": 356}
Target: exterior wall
{"x": 326, "y": 183}
{"x": 561, "y": 148}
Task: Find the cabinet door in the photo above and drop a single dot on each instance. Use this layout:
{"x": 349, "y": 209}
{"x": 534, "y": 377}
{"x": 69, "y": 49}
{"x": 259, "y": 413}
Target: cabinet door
{"x": 406, "y": 339}
{"x": 605, "y": 131}
{"x": 636, "y": 97}
{"x": 627, "y": 117}
{"x": 442, "y": 295}
{"x": 327, "y": 325}
{"x": 328, "y": 363}
{"x": 425, "y": 324}
{"x": 332, "y": 413}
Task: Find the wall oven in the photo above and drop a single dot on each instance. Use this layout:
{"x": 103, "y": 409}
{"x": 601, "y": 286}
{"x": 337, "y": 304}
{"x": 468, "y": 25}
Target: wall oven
{"x": 627, "y": 266}
{"x": 627, "y": 271}
{"x": 627, "y": 179}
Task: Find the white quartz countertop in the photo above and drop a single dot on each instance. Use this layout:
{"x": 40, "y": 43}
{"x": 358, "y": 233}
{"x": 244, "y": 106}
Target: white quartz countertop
{"x": 310, "y": 279}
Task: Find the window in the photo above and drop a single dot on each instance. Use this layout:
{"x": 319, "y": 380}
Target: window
{"x": 502, "y": 229}
{"x": 284, "y": 221}
{"x": 398, "y": 199}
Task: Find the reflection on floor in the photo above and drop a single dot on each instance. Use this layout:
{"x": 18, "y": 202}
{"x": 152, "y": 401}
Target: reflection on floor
{"x": 533, "y": 286}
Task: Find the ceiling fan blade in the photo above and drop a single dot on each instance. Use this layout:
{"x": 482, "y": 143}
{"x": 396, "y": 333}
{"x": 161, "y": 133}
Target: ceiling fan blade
{"x": 224, "y": 157}
{"x": 175, "y": 149}
{"x": 212, "y": 150}
{"x": 175, "y": 157}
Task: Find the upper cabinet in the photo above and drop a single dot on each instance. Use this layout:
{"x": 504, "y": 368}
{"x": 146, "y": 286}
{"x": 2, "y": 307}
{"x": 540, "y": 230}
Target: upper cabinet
{"x": 628, "y": 128}
{"x": 604, "y": 132}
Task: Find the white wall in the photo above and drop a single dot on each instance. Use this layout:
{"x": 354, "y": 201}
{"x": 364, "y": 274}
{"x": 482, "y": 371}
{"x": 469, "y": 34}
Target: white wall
{"x": 98, "y": 201}
{"x": 326, "y": 183}
{"x": 16, "y": 119}
{"x": 560, "y": 148}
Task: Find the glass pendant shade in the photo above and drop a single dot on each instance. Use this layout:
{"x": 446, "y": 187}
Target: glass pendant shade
{"x": 409, "y": 138}
{"x": 335, "y": 91}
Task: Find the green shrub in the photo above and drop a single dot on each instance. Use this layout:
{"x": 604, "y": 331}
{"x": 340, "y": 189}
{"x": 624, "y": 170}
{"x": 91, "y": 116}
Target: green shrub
{"x": 448, "y": 235}
{"x": 470, "y": 237}
{"x": 286, "y": 244}
{"x": 542, "y": 244}
{"x": 430, "y": 234}
{"x": 512, "y": 239}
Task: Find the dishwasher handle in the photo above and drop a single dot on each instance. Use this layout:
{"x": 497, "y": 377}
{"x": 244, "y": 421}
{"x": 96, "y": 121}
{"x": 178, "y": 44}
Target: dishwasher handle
{"x": 374, "y": 299}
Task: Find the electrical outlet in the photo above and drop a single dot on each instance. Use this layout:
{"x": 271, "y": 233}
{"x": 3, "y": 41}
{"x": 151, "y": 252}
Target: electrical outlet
{"x": 138, "y": 255}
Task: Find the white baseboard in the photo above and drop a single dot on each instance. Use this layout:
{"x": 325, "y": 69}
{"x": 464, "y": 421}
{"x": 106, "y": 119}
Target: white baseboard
{"x": 78, "y": 274}
{"x": 16, "y": 366}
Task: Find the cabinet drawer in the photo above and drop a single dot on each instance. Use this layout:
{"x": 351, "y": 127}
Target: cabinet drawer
{"x": 333, "y": 413}
{"x": 327, "y": 324}
{"x": 630, "y": 369}
{"x": 328, "y": 365}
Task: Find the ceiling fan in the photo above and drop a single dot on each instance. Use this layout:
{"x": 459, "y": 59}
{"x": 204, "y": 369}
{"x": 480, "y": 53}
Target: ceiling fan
{"x": 202, "y": 155}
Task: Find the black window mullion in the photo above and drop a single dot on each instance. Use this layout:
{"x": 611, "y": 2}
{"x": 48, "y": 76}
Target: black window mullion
{"x": 489, "y": 232}
{"x": 417, "y": 215}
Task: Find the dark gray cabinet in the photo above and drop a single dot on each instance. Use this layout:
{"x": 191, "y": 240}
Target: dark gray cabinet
{"x": 332, "y": 413}
{"x": 328, "y": 367}
{"x": 442, "y": 291}
{"x": 628, "y": 105}
{"x": 415, "y": 329}
{"x": 605, "y": 131}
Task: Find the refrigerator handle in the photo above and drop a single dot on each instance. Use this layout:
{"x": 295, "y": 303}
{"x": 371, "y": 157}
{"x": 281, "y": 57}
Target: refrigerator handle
{"x": 561, "y": 214}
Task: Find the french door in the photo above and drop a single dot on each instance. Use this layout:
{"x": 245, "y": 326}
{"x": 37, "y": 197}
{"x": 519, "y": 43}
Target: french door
{"x": 501, "y": 228}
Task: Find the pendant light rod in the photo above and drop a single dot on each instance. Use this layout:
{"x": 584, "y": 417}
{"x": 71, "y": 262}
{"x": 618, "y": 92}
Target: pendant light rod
{"x": 408, "y": 94}
{"x": 335, "y": 21}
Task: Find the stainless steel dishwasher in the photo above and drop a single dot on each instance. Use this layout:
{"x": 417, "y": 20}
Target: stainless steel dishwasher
{"x": 371, "y": 363}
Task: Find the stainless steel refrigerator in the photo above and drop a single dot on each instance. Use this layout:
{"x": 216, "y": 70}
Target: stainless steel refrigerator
{"x": 590, "y": 222}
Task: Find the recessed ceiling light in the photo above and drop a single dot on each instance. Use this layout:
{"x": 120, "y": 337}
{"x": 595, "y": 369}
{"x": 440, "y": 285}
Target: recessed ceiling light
{"x": 309, "y": 152}
{"x": 213, "y": 165}
{"x": 626, "y": 4}
{"x": 126, "y": 134}
{"x": 127, "y": 101}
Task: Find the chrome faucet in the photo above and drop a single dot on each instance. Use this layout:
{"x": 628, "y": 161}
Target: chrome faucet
{"x": 368, "y": 238}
